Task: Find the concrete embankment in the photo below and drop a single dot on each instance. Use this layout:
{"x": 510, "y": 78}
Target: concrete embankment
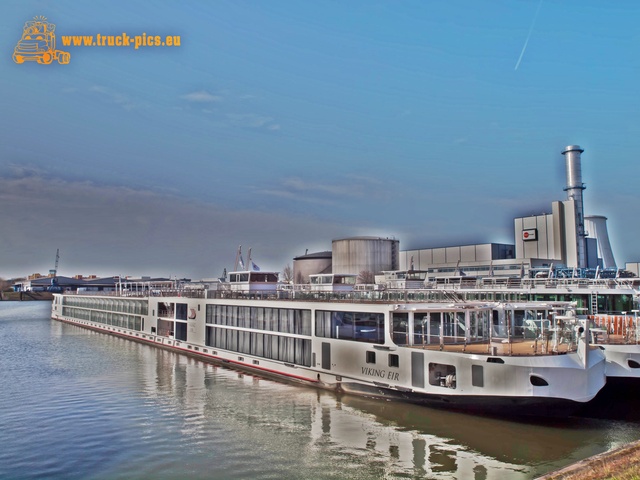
{"x": 25, "y": 296}
{"x": 621, "y": 463}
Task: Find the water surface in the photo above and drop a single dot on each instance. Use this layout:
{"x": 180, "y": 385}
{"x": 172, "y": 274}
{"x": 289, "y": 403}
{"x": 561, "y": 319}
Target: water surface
{"x": 76, "y": 404}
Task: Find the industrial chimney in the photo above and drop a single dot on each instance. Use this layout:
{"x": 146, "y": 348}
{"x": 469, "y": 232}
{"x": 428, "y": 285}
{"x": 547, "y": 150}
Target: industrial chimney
{"x": 574, "y": 190}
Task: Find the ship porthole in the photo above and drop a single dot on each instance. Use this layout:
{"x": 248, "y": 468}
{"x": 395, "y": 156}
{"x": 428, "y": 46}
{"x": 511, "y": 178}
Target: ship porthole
{"x": 537, "y": 381}
{"x": 633, "y": 364}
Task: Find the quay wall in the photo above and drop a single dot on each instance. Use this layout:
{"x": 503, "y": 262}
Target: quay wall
{"x": 25, "y": 296}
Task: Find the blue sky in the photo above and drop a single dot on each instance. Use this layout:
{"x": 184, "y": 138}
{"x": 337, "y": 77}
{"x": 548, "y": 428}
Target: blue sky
{"x": 282, "y": 125}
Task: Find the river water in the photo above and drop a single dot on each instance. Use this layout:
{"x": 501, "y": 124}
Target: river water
{"x": 76, "y": 404}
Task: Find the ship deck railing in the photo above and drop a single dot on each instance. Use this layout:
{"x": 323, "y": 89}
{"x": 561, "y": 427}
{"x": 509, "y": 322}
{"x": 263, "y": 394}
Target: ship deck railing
{"x": 502, "y": 347}
{"x": 515, "y": 283}
{"x": 441, "y": 294}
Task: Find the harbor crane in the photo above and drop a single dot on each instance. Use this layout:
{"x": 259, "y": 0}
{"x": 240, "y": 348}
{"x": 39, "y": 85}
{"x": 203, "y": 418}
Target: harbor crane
{"x": 54, "y": 275}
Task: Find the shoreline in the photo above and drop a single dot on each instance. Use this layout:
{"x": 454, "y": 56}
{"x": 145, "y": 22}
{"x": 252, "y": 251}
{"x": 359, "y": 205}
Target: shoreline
{"x": 25, "y": 296}
{"x": 620, "y": 463}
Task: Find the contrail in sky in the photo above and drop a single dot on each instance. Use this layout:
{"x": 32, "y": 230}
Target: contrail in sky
{"x": 529, "y": 35}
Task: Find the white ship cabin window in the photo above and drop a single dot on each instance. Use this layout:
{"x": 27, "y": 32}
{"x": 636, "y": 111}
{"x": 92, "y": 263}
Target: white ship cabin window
{"x": 259, "y": 277}
{"x": 400, "y": 328}
{"x": 332, "y": 279}
{"x": 181, "y": 311}
{"x": 371, "y": 357}
{"x": 344, "y": 280}
{"x": 357, "y": 326}
{"x": 296, "y": 351}
{"x": 166, "y": 309}
{"x": 284, "y": 320}
{"x": 239, "y": 277}
{"x": 180, "y": 331}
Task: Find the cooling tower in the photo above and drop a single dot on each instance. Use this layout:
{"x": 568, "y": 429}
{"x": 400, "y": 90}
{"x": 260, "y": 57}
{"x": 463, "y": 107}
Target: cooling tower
{"x": 596, "y": 227}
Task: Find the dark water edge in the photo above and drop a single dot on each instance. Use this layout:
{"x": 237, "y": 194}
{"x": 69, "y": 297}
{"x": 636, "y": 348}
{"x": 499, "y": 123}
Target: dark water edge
{"x": 79, "y": 404}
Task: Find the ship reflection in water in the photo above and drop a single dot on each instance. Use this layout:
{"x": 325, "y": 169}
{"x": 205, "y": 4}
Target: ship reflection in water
{"x": 93, "y": 405}
{"x": 353, "y": 437}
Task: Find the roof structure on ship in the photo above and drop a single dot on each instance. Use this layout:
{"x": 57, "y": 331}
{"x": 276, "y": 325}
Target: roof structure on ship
{"x": 62, "y": 281}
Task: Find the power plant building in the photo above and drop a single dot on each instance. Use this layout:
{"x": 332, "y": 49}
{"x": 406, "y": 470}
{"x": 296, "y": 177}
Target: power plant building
{"x": 562, "y": 238}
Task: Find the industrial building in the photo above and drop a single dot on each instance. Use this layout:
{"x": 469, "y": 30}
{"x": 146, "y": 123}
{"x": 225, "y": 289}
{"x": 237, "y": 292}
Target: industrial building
{"x": 349, "y": 256}
{"x": 563, "y": 239}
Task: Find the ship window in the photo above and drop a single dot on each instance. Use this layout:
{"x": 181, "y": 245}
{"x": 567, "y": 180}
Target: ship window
{"x": 400, "y": 328}
{"x": 495, "y": 360}
{"x": 371, "y": 357}
{"x": 537, "y": 381}
{"x": 394, "y": 360}
{"x": 633, "y": 364}
{"x": 358, "y": 326}
{"x": 181, "y": 311}
{"x": 442, "y": 375}
{"x": 181, "y": 331}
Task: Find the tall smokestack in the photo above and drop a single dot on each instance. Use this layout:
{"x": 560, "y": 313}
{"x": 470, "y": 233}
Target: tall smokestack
{"x": 574, "y": 190}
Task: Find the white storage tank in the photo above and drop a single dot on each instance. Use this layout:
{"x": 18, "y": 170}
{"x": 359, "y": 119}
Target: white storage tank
{"x": 310, "y": 264}
{"x": 365, "y": 254}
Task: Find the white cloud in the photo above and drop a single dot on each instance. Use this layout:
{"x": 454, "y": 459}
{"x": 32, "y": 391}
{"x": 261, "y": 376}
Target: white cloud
{"x": 201, "y": 96}
{"x": 351, "y": 189}
{"x": 252, "y": 120}
{"x": 107, "y": 230}
{"x": 24, "y": 170}
{"x": 119, "y": 98}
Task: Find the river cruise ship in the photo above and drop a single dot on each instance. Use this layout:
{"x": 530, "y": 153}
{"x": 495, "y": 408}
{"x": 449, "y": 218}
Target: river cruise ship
{"x": 500, "y": 357}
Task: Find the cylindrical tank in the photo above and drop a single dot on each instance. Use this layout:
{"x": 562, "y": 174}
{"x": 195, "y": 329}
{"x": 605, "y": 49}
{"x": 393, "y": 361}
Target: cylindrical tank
{"x": 365, "y": 254}
{"x": 596, "y": 227}
{"x": 310, "y": 264}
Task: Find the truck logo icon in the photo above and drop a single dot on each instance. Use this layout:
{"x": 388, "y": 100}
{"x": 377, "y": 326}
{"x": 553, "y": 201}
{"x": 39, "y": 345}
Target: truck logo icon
{"x": 38, "y": 44}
